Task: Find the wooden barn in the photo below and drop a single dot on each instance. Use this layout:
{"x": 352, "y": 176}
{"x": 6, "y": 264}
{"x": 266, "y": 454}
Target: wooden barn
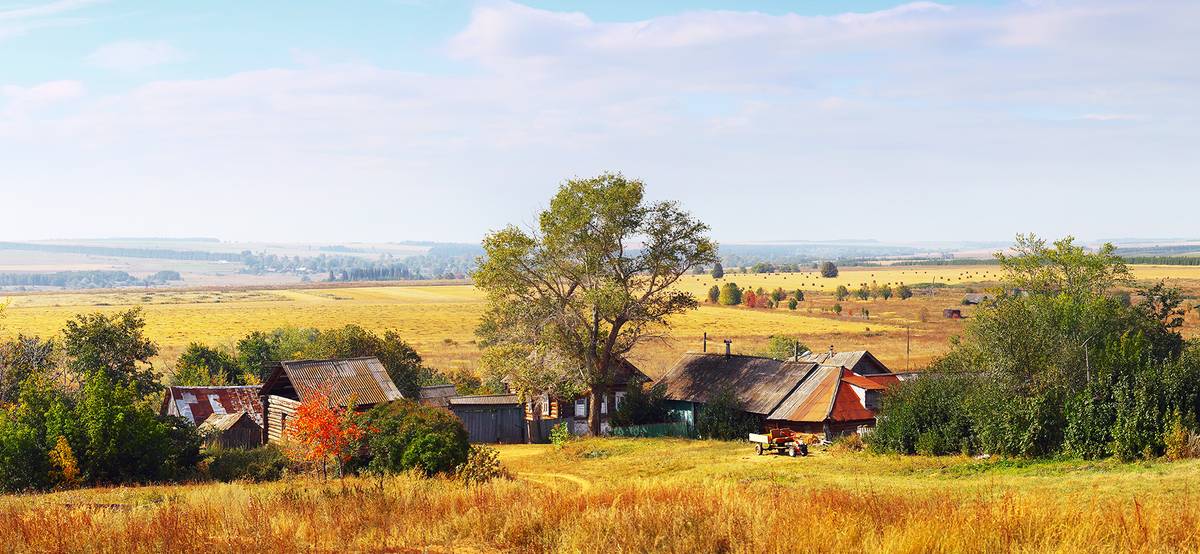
{"x": 236, "y": 430}
{"x": 363, "y": 381}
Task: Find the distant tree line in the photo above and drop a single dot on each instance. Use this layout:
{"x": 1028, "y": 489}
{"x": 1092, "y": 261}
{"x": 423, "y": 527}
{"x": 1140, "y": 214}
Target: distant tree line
{"x": 84, "y": 279}
{"x": 1162, "y": 260}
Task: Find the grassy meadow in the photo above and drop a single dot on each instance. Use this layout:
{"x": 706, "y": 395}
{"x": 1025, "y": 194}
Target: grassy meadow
{"x": 648, "y": 495}
{"x": 439, "y": 320}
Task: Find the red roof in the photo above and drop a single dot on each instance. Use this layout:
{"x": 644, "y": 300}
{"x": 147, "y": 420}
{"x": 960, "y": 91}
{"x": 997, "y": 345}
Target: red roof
{"x": 861, "y": 381}
{"x": 197, "y": 403}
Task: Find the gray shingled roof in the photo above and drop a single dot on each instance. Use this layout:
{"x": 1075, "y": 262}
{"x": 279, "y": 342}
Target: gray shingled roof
{"x": 759, "y": 383}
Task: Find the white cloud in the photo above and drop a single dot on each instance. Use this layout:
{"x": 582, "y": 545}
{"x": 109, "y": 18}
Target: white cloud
{"x": 21, "y": 101}
{"x": 922, "y": 105}
{"x": 20, "y": 20}
{"x": 133, "y": 55}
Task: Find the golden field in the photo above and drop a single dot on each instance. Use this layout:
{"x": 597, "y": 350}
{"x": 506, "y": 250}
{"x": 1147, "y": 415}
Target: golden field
{"x": 647, "y": 495}
{"x": 439, "y": 320}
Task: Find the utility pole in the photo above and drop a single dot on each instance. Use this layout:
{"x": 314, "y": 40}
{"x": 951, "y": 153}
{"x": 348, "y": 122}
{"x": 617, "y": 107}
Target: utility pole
{"x": 908, "y": 348}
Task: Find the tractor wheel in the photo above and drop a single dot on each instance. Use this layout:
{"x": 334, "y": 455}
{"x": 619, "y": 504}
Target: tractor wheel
{"x": 804, "y": 450}
{"x": 792, "y": 451}
{"x": 758, "y": 449}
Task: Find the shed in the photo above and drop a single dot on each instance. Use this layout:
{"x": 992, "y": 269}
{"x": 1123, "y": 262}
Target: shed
{"x": 952, "y": 313}
{"x": 363, "y": 382}
{"x": 493, "y": 418}
{"x": 975, "y": 298}
{"x": 437, "y": 395}
{"x": 237, "y": 430}
{"x": 196, "y": 404}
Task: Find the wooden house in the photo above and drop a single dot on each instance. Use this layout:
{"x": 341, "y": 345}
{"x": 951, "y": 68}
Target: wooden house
{"x": 760, "y": 384}
{"x": 359, "y": 382}
{"x": 574, "y": 410}
{"x": 814, "y": 394}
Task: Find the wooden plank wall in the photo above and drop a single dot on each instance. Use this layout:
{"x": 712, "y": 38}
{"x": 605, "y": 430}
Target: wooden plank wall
{"x": 276, "y": 408}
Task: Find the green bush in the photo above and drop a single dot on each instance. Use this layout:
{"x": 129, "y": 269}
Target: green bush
{"x": 482, "y": 465}
{"x": 265, "y": 463}
{"x": 724, "y": 417}
{"x": 407, "y": 436}
{"x": 560, "y": 434}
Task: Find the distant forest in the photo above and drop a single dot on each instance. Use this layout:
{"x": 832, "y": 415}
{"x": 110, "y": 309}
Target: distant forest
{"x": 442, "y": 261}
{"x": 84, "y": 279}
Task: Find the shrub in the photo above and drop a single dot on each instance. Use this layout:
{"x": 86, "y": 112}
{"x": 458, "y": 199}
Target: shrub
{"x": 560, "y": 434}
{"x": 406, "y": 436}
{"x": 482, "y": 465}
{"x": 730, "y": 295}
{"x": 848, "y": 443}
{"x": 714, "y": 294}
{"x": 265, "y": 463}
{"x": 724, "y": 417}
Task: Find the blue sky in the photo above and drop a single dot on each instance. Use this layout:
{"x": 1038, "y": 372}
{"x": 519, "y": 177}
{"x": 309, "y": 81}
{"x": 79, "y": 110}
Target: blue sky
{"x": 396, "y": 120}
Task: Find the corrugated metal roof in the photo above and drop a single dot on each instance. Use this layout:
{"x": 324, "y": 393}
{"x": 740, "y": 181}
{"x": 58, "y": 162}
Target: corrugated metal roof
{"x": 853, "y": 360}
{"x": 197, "y": 403}
{"x": 827, "y": 395}
{"x": 364, "y": 379}
{"x": 812, "y": 400}
{"x": 222, "y": 422}
{"x": 862, "y": 382}
{"x": 436, "y": 395}
{"x": 759, "y": 383}
{"x": 484, "y": 400}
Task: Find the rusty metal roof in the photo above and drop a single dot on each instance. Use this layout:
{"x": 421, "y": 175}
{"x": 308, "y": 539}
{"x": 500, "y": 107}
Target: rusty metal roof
{"x": 485, "y": 400}
{"x": 197, "y": 403}
{"x": 363, "y": 379}
{"x": 826, "y": 395}
{"x": 759, "y": 383}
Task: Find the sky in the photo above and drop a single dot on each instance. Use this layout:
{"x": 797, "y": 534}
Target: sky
{"x": 399, "y": 120}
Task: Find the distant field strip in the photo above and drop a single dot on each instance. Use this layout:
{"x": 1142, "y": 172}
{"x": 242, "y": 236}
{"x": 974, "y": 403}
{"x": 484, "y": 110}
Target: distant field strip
{"x": 439, "y": 320}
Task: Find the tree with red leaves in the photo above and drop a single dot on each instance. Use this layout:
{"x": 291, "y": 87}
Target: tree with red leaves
{"x": 325, "y": 430}
{"x": 749, "y": 298}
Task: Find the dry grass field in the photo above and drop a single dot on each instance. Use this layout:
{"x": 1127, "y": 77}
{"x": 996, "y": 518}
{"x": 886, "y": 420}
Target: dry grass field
{"x": 647, "y": 495}
{"x": 439, "y": 320}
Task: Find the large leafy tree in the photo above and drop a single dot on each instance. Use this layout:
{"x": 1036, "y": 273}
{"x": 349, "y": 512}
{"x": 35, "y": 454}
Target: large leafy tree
{"x": 592, "y": 281}
{"x": 115, "y": 345}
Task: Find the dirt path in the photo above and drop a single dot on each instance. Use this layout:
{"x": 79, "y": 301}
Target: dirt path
{"x": 583, "y": 484}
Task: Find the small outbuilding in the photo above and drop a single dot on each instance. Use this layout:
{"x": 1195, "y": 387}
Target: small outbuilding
{"x": 975, "y": 298}
{"x": 437, "y": 395}
{"x": 238, "y": 430}
{"x": 490, "y": 418}
{"x": 952, "y": 313}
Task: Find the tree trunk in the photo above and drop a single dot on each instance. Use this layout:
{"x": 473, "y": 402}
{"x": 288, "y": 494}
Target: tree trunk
{"x": 534, "y": 433}
{"x": 597, "y": 395}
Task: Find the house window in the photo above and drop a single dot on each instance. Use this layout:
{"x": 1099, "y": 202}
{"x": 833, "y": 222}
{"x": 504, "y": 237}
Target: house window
{"x": 581, "y": 407}
{"x": 604, "y": 404}
{"x": 617, "y": 398}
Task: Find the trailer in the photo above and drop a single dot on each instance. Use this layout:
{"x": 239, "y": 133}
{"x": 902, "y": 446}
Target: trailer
{"x": 780, "y": 441}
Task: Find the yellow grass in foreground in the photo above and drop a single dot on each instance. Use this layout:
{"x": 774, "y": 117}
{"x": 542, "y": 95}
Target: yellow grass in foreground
{"x": 652, "y": 495}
